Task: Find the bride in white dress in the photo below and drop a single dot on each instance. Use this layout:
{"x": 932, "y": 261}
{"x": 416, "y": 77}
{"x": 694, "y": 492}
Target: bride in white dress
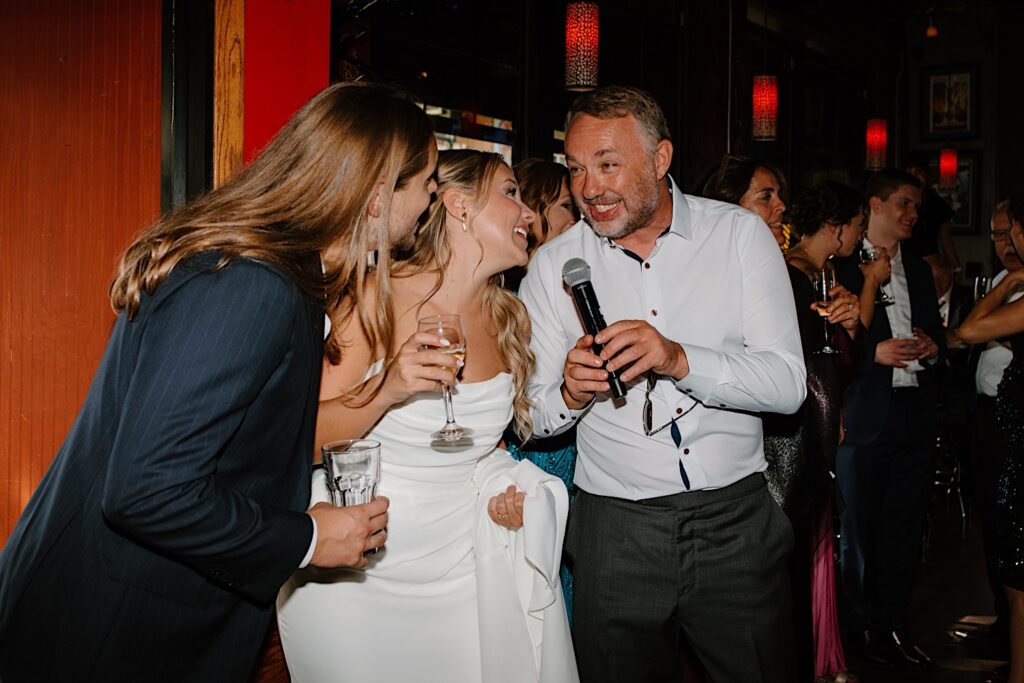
{"x": 467, "y": 587}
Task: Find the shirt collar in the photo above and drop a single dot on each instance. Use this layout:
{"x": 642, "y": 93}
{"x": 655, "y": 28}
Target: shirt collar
{"x": 682, "y": 223}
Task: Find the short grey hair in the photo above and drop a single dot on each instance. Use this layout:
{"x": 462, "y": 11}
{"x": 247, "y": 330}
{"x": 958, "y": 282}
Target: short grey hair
{"x": 1002, "y": 207}
{"x": 615, "y": 101}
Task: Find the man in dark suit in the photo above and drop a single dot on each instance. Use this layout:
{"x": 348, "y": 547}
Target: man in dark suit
{"x": 884, "y": 466}
{"x": 155, "y": 544}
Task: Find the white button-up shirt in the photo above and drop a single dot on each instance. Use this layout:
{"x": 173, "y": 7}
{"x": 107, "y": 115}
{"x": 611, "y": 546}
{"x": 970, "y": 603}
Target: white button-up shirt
{"x": 993, "y": 360}
{"x": 899, "y": 314}
{"x": 716, "y": 283}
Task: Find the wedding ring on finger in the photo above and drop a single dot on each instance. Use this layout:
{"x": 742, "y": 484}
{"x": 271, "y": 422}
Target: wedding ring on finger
{"x": 849, "y": 307}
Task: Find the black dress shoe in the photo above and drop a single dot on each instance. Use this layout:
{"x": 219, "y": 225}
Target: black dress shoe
{"x": 891, "y": 650}
{"x": 914, "y": 655}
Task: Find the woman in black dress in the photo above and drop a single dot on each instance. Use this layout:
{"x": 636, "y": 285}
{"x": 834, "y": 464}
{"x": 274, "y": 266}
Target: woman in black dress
{"x": 995, "y": 318}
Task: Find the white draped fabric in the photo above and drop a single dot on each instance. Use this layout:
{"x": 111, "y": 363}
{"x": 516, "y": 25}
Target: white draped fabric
{"x": 453, "y": 597}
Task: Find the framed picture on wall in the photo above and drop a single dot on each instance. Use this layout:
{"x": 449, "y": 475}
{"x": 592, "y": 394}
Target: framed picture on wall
{"x": 949, "y": 102}
{"x": 963, "y": 198}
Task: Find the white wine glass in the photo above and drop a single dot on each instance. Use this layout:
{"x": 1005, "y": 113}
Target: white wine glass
{"x": 448, "y": 327}
{"x": 824, "y": 281}
{"x": 867, "y": 255}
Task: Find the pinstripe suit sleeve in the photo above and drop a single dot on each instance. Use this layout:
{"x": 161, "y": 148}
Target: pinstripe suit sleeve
{"x": 206, "y": 351}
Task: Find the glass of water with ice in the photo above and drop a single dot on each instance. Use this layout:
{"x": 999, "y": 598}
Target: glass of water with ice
{"x": 352, "y": 469}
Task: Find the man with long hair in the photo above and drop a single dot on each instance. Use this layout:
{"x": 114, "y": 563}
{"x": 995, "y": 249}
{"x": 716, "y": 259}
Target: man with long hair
{"x": 156, "y": 543}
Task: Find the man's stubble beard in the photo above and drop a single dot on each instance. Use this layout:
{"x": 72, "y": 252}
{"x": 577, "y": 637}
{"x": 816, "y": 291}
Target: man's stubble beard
{"x": 638, "y": 220}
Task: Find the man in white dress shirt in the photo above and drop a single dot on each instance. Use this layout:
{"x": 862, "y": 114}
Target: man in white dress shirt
{"x": 884, "y": 466}
{"x": 673, "y": 529}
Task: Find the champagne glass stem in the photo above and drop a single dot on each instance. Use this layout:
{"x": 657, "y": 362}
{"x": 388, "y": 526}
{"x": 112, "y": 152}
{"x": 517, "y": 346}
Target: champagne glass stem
{"x": 449, "y": 413}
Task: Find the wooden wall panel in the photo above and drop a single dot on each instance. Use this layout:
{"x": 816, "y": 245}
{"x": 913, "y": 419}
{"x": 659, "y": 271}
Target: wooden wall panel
{"x": 80, "y": 170}
{"x": 228, "y": 89}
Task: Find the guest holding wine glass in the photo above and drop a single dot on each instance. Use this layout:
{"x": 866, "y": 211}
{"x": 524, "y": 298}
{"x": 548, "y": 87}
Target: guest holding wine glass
{"x": 800, "y": 448}
{"x": 885, "y": 460}
{"x": 441, "y": 600}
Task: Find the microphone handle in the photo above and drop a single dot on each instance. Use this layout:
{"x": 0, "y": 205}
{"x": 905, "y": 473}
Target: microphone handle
{"x": 593, "y": 322}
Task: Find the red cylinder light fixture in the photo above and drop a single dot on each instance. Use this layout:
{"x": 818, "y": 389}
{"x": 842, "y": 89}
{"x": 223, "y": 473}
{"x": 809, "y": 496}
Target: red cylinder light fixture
{"x": 877, "y": 138}
{"x": 947, "y": 169}
{"x": 766, "y": 108}
{"x": 582, "y": 36}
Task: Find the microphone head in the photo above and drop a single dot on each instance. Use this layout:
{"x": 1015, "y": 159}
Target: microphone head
{"x": 575, "y": 271}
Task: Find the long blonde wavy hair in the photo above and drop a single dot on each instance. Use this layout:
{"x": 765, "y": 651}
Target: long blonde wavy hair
{"x": 472, "y": 172}
{"x": 306, "y": 195}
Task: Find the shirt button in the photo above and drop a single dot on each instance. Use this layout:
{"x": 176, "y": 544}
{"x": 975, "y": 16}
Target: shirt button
{"x": 654, "y": 311}
{"x": 547, "y": 431}
{"x": 679, "y": 411}
{"x": 686, "y": 451}
{"x": 647, "y": 266}
{"x": 561, "y": 416}
{"x": 721, "y": 405}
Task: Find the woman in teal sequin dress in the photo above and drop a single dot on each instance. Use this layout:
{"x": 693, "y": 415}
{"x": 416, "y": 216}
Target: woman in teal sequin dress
{"x": 544, "y": 186}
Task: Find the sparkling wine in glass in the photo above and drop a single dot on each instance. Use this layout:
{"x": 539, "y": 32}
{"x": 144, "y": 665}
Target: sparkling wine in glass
{"x": 867, "y": 255}
{"x": 824, "y": 281}
{"x": 448, "y": 327}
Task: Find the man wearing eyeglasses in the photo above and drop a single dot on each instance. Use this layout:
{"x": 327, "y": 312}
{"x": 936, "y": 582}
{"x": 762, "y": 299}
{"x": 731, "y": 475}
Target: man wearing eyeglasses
{"x": 985, "y": 449}
{"x": 673, "y": 529}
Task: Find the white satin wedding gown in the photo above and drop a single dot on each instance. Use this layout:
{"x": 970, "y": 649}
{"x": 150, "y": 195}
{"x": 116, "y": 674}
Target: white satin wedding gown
{"x": 452, "y": 597}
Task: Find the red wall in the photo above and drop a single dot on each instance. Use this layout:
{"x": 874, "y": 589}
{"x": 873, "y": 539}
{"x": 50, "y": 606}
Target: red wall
{"x": 79, "y": 177}
{"x": 287, "y": 61}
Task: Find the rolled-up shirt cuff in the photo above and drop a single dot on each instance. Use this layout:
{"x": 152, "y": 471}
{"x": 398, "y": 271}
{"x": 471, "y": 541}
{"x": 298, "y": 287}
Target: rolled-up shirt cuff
{"x": 705, "y": 373}
{"x": 312, "y": 547}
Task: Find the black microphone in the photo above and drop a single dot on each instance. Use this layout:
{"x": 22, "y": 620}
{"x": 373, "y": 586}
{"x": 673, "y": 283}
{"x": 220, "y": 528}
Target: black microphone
{"x": 576, "y": 274}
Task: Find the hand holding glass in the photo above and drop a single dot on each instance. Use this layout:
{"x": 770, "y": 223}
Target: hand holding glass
{"x": 824, "y": 282}
{"x": 867, "y": 255}
{"x": 352, "y": 470}
{"x": 449, "y": 328}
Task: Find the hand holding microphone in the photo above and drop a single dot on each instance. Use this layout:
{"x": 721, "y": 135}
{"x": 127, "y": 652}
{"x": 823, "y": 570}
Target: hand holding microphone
{"x": 598, "y": 362}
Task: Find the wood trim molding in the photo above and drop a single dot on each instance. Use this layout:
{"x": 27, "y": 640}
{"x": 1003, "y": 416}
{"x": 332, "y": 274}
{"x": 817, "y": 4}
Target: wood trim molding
{"x": 228, "y": 89}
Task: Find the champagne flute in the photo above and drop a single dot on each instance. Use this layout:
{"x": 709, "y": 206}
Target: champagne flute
{"x": 980, "y": 288}
{"x": 824, "y": 281}
{"x": 448, "y": 327}
{"x": 867, "y": 255}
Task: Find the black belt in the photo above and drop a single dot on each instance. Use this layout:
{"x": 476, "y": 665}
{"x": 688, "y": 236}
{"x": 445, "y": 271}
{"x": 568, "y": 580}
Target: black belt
{"x": 904, "y": 391}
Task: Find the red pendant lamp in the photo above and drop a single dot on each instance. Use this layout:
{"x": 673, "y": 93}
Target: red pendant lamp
{"x": 582, "y": 35}
{"x": 876, "y": 139}
{"x": 947, "y": 169}
{"x": 766, "y": 107}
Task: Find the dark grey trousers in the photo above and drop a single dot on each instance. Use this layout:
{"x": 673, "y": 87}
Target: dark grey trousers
{"x": 709, "y": 564}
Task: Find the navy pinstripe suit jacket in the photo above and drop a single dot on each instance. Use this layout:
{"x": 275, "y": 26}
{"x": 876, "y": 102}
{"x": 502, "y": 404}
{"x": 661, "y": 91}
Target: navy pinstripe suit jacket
{"x": 156, "y": 542}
